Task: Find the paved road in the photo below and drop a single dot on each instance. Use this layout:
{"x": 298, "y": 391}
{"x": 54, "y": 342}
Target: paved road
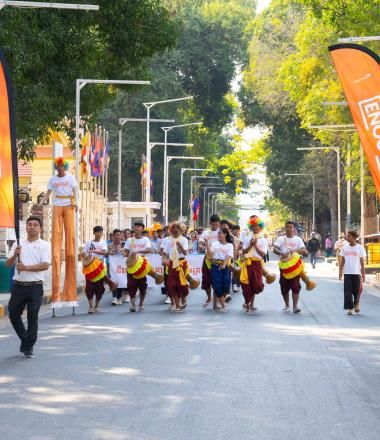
{"x": 199, "y": 375}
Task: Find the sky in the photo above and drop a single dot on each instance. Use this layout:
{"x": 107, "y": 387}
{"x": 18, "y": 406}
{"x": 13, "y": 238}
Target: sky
{"x": 262, "y": 4}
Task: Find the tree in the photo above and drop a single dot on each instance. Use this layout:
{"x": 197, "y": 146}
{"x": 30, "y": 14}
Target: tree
{"x": 49, "y": 49}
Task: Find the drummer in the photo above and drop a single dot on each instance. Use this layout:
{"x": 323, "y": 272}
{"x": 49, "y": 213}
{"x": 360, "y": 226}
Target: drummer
{"x": 284, "y": 247}
{"x": 139, "y": 245}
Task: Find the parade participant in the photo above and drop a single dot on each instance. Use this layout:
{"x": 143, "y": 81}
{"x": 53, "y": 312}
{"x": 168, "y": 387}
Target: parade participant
{"x": 289, "y": 248}
{"x": 95, "y": 284}
{"x": 117, "y": 270}
{"x": 156, "y": 243}
{"x": 255, "y": 248}
{"x": 175, "y": 251}
{"x": 221, "y": 253}
{"x": 352, "y": 266}
{"x": 338, "y": 247}
{"x": 235, "y": 232}
{"x": 164, "y": 289}
{"x": 65, "y": 190}
{"x": 313, "y": 246}
{"x": 31, "y": 259}
{"x": 137, "y": 245}
{"x": 210, "y": 236}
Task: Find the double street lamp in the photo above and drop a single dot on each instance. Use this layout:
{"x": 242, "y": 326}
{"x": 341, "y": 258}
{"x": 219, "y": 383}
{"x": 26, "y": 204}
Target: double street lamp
{"x": 149, "y": 106}
{"x": 313, "y": 179}
{"x": 122, "y": 122}
{"x": 165, "y": 192}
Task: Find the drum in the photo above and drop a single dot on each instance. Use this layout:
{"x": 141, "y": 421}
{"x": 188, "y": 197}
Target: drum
{"x": 139, "y": 267}
{"x": 292, "y": 266}
{"x": 93, "y": 269}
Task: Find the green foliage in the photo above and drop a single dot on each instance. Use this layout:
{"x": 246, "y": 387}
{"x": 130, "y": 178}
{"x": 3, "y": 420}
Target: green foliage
{"x": 49, "y": 49}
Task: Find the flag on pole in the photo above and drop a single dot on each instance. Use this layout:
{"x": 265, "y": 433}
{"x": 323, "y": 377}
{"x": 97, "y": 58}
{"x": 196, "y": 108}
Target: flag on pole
{"x": 9, "y": 213}
{"x": 92, "y": 153}
{"x": 195, "y": 207}
{"x": 86, "y": 145}
{"x": 359, "y": 73}
{"x": 143, "y": 173}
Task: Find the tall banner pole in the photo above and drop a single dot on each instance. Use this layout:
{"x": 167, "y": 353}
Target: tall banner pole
{"x": 9, "y": 203}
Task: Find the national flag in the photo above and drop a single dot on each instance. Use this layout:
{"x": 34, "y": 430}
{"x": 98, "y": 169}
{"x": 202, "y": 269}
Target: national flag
{"x": 86, "y": 145}
{"x": 196, "y": 207}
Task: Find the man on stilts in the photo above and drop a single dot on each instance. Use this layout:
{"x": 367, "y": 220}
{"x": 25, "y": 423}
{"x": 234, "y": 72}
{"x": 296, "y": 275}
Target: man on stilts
{"x": 65, "y": 190}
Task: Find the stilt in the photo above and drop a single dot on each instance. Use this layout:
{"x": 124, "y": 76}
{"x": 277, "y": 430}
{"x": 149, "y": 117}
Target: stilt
{"x": 73, "y": 311}
{"x": 53, "y": 315}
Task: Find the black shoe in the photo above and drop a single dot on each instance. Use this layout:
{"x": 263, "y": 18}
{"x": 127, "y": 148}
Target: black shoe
{"x": 29, "y": 354}
{"x": 228, "y": 298}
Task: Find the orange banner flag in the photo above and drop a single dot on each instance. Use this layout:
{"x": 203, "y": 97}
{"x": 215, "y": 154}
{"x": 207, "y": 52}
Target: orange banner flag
{"x": 359, "y": 73}
{"x": 8, "y": 153}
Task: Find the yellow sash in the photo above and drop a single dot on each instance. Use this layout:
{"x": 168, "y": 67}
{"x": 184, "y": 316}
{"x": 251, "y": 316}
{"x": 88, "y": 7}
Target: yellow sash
{"x": 244, "y": 269}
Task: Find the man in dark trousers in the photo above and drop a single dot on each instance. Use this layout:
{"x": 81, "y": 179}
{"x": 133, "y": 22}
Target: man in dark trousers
{"x": 313, "y": 246}
{"x": 31, "y": 259}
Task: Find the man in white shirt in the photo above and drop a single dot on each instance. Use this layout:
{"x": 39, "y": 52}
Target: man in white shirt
{"x": 65, "y": 190}
{"x": 209, "y": 236}
{"x": 31, "y": 259}
{"x": 352, "y": 264}
{"x": 284, "y": 246}
{"x": 141, "y": 246}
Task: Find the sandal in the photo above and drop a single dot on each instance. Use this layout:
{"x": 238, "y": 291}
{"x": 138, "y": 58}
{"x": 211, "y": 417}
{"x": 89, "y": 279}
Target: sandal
{"x": 297, "y": 310}
{"x": 206, "y": 304}
{"x": 179, "y": 310}
{"x": 184, "y": 306}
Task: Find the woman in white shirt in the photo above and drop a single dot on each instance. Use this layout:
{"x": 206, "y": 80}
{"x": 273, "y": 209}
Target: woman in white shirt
{"x": 175, "y": 251}
{"x": 221, "y": 253}
{"x": 352, "y": 264}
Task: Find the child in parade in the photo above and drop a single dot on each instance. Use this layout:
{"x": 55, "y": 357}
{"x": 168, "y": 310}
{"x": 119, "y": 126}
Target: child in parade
{"x": 352, "y": 269}
{"x": 220, "y": 252}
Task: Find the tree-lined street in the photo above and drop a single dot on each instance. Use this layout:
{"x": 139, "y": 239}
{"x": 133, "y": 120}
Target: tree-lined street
{"x": 200, "y": 374}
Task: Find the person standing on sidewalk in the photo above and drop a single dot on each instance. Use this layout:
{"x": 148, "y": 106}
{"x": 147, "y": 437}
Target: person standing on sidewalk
{"x": 31, "y": 259}
{"x": 313, "y": 246}
{"x": 352, "y": 267}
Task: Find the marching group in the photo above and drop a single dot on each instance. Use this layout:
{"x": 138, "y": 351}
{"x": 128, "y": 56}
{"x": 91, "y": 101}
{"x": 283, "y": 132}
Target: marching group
{"x": 230, "y": 260}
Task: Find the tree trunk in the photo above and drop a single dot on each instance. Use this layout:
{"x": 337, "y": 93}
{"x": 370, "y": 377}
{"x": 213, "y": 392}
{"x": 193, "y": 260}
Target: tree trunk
{"x": 370, "y": 214}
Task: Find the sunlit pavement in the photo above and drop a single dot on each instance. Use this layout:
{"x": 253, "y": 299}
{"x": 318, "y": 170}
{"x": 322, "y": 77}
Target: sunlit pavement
{"x": 200, "y": 374}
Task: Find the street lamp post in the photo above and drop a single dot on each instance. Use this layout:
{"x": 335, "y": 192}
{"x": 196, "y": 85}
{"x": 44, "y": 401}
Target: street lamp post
{"x": 208, "y": 202}
{"x": 149, "y": 106}
{"x": 80, "y": 83}
{"x": 216, "y": 186}
{"x": 337, "y": 151}
{"x": 313, "y": 178}
{"x": 122, "y": 122}
{"x": 48, "y": 5}
{"x": 165, "y": 191}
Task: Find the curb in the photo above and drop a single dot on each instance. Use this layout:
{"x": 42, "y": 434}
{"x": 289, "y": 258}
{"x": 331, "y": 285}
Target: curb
{"x": 46, "y": 299}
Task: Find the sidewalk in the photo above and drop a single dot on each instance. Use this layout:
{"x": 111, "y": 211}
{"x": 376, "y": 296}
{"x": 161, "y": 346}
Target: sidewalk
{"x": 4, "y": 297}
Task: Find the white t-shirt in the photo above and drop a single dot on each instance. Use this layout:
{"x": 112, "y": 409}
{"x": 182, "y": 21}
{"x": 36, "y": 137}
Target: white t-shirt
{"x": 62, "y": 187}
{"x": 138, "y": 245}
{"x": 35, "y": 252}
{"x": 95, "y": 246}
{"x": 169, "y": 246}
{"x": 286, "y": 244}
{"x": 262, "y": 244}
{"x": 163, "y": 243}
{"x": 352, "y": 255}
{"x": 209, "y": 235}
{"x": 222, "y": 251}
